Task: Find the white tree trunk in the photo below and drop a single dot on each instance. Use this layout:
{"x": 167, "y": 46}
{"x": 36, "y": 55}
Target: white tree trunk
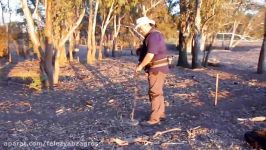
{"x": 203, "y": 41}
{"x": 103, "y": 29}
{"x": 93, "y": 31}
{"x": 31, "y": 28}
{"x": 117, "y": 25}
{"x": 89, "y": 40}
{"x": 71, "y": 47}
{"x": 56, "y": 66}
{"x": 233, "y": 35}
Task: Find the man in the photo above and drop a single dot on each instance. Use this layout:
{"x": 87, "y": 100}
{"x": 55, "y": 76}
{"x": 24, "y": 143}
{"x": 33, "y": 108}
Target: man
{"x": 153, "y": 59}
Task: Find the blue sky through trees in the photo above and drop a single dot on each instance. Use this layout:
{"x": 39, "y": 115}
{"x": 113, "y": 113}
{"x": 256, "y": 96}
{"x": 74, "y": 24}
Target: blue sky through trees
{"x": 15, "y": 4}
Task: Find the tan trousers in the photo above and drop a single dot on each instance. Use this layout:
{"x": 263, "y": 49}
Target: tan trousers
{"x": 156, "y": 82}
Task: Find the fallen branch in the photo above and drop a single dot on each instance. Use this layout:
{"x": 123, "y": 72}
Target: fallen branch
{"x": 119, "y": 142}
{"x": 143, "y": 140}
{"x": 172, "y": 143}
{"x": 255, "y": 119}
{"x": 159, "y": 133}
{"x": 130, "y": 141}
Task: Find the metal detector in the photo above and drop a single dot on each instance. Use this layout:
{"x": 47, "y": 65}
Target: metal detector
{"x": 132, "y": 121}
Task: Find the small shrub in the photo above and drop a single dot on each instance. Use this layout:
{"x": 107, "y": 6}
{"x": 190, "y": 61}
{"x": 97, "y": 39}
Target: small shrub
{"x": 36, "y": 83}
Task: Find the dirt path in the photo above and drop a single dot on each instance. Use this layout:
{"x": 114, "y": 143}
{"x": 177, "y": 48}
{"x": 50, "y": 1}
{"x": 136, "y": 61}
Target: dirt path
{"x": 91, "y": 103}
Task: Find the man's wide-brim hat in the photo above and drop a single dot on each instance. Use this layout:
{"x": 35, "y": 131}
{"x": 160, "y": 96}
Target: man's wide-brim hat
{"x": 142, "y": 21}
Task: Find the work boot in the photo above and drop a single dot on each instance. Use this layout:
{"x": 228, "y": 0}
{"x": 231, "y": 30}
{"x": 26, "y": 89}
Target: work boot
{"x": 163, "y": 117}
{"x": 150, "y": 123}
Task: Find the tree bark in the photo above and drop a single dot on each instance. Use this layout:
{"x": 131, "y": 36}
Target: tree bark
{"x": 235, "y": 25}
{"x": 60, "y": 52}
{"x": 7, "y": 31}
{"x": 209, "y": 40}
{"x": 49, "y": 63}
{"x": 48, "y": 59}
{"x": 61, "y": 46}
{"x": 100, "y": 54}
{"x": 203, "y": 41}
{"x": 46, "y": 65}
{"x": 114, "y": 48}
{"x": 105, "y": 23}
{"x": 71, "y": 48}
{"x": 72, "y": 29}
{"x": 182, "y": 48}
{"x": 197, "y": 37}
{"x": 89, "y": 40}
{"x": 31, "y": 29}
{"x": 57, "y": 64}
{"x": 262, "y": 58}
{"x": 184, "y": 34}
{"x": 62, "y": 57}
{"x": 117, "y": 25}
{"x": 93, "y": 40}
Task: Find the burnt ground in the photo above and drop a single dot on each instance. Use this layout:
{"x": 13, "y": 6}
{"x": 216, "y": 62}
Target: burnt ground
{"x": 92, "y": 102}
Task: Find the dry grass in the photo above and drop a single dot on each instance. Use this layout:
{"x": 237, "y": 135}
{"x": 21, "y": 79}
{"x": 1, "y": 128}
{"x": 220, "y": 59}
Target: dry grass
{"x": 27, "y": 72}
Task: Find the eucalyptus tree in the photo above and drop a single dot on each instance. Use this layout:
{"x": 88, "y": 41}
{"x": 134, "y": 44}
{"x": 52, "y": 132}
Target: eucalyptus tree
{"x": 185, "y": 31}
{"x": 106, "y": 14}
{"x": 206, "y": 25}
{"x": 89, "y": 35}
{"x": 196, "y": 19}
{"x": 120, "y": 12}
{"x": 238, "y": 18}
{"x": 63, "y": 25}
{"x": 57, "y": 31}
{"x": 197, "y": 35}
{"x": 91, "y": 41}
{"x": 124, "y": 10}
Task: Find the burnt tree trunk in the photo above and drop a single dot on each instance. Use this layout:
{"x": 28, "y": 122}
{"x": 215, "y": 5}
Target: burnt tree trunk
{"x": 114, "y": 48}
{"x": 262, "y": 59}
{"x": 197, "y": 37}
{"x": 207, "y": 50}
{"x": 182, "y": 59}
{"x": 185, "y": 33}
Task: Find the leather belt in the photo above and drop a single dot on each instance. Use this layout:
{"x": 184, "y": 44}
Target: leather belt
{"x": 159, "y": 63}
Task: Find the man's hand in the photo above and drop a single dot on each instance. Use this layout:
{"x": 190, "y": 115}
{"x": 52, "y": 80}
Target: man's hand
{"x": 147, "y": 59}
{"x": 138, "y": 69}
